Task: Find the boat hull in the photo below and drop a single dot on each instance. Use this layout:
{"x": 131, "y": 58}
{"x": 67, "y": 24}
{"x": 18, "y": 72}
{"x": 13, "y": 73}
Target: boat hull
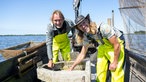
{"x": 22, "y": 67}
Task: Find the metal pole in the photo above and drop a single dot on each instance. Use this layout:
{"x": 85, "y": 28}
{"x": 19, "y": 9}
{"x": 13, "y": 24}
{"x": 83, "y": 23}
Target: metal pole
{"x": 113, "y": 18}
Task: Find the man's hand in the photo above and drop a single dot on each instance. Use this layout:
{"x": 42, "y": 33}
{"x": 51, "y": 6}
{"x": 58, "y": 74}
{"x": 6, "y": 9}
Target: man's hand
{"x": 50, "y": 63}
{"x": 71, "y": 68}
{"x": 113, "y": 66}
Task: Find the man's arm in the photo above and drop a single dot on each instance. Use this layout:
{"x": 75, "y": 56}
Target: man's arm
{"x": 49, "y": 40}
{"x": 113, "y": 40}
{"x": 80, "y": 57}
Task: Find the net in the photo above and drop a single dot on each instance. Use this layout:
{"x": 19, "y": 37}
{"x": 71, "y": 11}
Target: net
{"x": 133, "y": 13}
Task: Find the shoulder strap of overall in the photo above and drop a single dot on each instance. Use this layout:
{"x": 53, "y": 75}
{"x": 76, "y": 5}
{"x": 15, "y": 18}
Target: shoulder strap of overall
{"x": 100, "y": 37}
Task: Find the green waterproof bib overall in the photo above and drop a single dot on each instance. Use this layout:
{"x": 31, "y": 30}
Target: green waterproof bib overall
{"x": 105, "y": 54}
{"x": 61, "y": 43}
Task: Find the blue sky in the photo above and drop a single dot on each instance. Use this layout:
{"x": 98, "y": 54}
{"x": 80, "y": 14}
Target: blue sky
{"x": 33, "y": 16}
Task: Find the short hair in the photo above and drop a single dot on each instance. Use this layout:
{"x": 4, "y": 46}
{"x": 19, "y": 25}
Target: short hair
{"x": 57, "y": 12}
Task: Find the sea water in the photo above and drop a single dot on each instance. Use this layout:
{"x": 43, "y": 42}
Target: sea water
{"x": 8, "y": 41}
{"x": 13, "y": 40}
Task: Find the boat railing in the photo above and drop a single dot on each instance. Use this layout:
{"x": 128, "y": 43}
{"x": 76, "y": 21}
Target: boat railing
{"x": 135, "y": 67}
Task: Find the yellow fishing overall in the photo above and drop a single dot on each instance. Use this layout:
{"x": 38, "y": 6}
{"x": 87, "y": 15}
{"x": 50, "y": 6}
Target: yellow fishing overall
{"x": 61, "y": 43}
{"x": 105, "y": 53}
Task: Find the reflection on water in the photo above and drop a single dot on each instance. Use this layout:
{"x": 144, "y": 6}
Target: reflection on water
{"x": 8, "y": 41}
{"x": 136, "y": 42}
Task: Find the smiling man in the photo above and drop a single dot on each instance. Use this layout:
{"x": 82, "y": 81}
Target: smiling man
{"x": 57, "y": 38}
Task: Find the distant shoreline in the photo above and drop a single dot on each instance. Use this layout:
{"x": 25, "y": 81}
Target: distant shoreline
{"x": 23, "y": 35}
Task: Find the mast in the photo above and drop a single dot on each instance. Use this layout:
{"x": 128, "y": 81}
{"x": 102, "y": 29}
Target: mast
{"x": 76, "y": 5}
